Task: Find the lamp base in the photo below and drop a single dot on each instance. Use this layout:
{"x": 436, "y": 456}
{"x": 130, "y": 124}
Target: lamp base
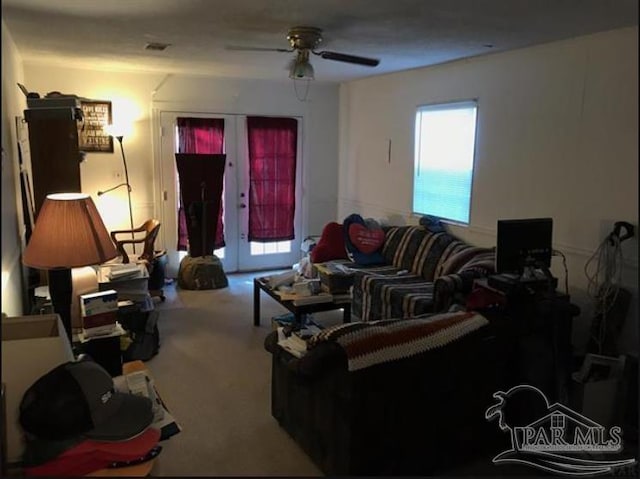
{"x": 60, "y": 289}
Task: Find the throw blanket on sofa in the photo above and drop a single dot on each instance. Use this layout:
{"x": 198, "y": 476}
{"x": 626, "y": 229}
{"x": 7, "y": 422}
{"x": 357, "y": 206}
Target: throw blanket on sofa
{"x": 375, "y": 342}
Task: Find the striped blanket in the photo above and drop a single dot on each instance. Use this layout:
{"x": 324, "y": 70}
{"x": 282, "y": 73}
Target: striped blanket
{"x": 369, "y": 343}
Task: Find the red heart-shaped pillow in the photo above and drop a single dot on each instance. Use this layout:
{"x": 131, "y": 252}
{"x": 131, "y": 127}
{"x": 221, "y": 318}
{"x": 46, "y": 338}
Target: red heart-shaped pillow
{"x": 365, "y": 239}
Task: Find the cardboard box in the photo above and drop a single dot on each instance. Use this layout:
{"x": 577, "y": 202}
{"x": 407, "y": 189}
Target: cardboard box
{"x": 31, "y": 347}
{"x": 333, "y": 280}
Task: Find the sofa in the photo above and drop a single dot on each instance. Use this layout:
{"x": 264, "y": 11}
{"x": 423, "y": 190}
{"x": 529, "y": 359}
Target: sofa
{"x": 424, "y": 271}
{"x": 419, "y": 412}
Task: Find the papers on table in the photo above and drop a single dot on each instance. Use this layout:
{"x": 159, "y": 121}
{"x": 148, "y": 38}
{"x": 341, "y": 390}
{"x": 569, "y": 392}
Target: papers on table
{"x": 299, "y": 300}
{"x": 280, "y": 279}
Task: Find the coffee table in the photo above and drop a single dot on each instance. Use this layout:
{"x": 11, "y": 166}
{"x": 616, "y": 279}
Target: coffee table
{"x": 259, "y": 284}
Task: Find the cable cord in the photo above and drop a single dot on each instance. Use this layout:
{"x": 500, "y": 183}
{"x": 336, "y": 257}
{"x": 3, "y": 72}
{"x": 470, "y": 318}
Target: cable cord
{"x": 306, "y": 89}
{"x": 604, "y": 275}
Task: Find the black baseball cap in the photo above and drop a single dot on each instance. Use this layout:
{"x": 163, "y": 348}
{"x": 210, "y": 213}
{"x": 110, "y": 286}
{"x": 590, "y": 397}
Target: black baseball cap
{"x": 78, "y": 398}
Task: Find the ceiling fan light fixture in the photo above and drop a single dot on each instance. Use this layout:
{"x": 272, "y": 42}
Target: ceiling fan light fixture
{"x": 301, "y": 69}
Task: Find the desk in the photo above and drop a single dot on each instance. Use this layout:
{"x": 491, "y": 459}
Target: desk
{"x": 259, "y": 284}
{"x": 540, "y": 325}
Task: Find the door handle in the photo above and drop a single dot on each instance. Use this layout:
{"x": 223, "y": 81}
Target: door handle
{"x": 242, "y": 205}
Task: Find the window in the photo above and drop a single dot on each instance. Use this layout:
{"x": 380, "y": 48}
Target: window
{"x": 443, "y": 169}
{"x": 273, "y": 247}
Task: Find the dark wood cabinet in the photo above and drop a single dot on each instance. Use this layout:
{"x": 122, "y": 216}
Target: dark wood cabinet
{"x": 54, "y": 151}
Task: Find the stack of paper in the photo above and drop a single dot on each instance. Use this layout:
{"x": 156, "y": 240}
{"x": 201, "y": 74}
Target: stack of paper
{"x": 293, "y": 344}
{"x": 124, "y": 271}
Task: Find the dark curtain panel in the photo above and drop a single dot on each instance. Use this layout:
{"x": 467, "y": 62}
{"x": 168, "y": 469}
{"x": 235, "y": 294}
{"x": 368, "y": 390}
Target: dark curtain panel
{"x": 201, "y": 176}
{"x": 199, "y": 135}
{"x": 272, "y": 178}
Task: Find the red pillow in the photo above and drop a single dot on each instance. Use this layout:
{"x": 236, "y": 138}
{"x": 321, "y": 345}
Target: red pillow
{"x": 331, "y": 244}
{"x": 367, "y": 240}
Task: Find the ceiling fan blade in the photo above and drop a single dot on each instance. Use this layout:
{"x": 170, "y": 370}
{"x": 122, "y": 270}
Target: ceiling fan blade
{"x": 255, "y": 49}
{"x": 343, "y": 57}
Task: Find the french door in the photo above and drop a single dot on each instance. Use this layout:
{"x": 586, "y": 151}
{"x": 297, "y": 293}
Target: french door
{"x": 238, "y": 254}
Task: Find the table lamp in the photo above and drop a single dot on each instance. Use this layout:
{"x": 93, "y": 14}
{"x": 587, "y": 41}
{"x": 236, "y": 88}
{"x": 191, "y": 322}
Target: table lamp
{"x": 68, "y": 233}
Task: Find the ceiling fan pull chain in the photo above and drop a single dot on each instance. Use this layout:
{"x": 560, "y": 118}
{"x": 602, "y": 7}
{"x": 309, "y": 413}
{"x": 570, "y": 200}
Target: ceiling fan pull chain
{"x": 306, "y": 90}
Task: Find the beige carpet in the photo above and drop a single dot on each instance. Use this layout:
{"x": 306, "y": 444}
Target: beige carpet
{"x": 214, "y": 375}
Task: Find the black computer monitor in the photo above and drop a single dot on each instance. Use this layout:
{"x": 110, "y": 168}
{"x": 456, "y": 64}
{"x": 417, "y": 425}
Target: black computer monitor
{"x": 522, "y": 244}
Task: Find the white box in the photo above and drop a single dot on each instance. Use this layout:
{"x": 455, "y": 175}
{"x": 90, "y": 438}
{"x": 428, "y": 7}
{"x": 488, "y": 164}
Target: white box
{"x": 84, "y": 280}
{"x": 98, "y": 303}
{"x": 31, "y": 347}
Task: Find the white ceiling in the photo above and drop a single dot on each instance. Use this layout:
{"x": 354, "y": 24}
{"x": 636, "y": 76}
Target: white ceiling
{"x": 403, "y": 34}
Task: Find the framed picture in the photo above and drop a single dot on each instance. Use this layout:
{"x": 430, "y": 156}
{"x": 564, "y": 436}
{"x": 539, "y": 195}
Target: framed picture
{"x": 93, "y": 136}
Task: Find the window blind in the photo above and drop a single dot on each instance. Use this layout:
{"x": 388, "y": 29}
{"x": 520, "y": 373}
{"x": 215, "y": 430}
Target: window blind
{"x": 444, "y": 151}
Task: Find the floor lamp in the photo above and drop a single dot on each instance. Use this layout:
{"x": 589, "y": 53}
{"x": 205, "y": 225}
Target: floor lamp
{"x": 126, "y": 183}
{"x": 69, "y": 233}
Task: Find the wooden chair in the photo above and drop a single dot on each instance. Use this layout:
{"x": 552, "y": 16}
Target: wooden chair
{"x": 149, "y": 256}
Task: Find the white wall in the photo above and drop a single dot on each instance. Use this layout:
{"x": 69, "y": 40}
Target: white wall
{"x": 12, "y": 105}
{"x": 130, "y": 96}
{"x": 133, "y": 98}
{"x": 557, "y": 136}
{"x": 319, "y": 122}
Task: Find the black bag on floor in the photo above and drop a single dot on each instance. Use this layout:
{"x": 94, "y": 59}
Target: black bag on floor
{"x": 203, "y": 272}
{"x": 143, "y": 330}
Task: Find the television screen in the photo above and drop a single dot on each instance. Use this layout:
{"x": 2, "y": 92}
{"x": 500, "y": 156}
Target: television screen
{"x": 523, "y": 243}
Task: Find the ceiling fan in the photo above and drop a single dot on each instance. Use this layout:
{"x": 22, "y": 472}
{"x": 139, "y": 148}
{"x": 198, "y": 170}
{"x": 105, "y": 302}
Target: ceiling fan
{"x": 305, "y": 40}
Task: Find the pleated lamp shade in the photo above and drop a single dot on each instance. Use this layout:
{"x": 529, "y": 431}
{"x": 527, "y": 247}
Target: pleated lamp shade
{"x": 68, "y": 233}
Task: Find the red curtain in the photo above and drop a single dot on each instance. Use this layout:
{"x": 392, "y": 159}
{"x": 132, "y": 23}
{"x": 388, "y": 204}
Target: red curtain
{"x": 199, "y": 135}
{"x": 272, "y": 178}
